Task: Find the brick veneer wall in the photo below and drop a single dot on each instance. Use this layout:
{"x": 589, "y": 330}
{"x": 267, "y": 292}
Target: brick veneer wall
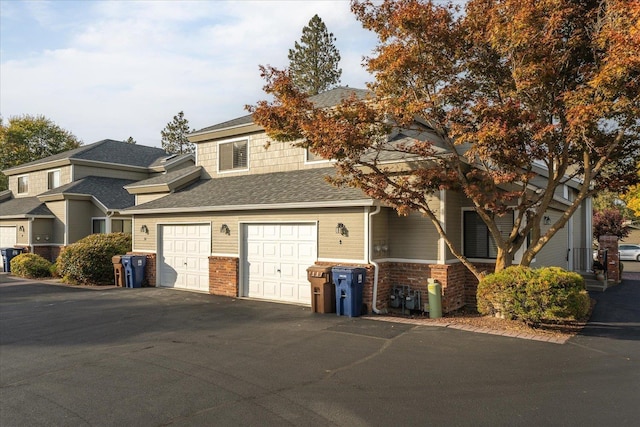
{"x": 224, "y": 276}
{"x": 459, "y": 285}
{"x": 50, "y": 253}
{"x": 150, "y": 279}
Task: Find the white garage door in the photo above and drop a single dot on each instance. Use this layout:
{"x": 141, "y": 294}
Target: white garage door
{"x": 276, "y": 258}
{"x": 7, "y": 240}
{"x": 184, "y": 257}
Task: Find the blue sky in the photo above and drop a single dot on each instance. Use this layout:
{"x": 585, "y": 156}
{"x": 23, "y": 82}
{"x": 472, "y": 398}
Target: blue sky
{"x": 114, "y": 69}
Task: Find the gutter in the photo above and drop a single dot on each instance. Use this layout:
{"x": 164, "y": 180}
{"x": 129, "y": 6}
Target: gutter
{"x": 376, "y": 267}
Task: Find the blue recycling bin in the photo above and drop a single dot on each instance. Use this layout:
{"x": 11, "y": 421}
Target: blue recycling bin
{"x": 349, "y": 282}
{"x": 7, "y": 255}
{"x": 134, "y": 270}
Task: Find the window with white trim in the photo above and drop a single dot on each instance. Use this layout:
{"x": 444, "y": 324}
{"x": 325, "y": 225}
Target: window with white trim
{"x": 23, "y": 184}
{"x": 121, "y": 226}
{"x": 99, "y": 225}
{"x": 233, "y": 155}
{"x": 53, "y": 179}
{"x": 478, "y": 242}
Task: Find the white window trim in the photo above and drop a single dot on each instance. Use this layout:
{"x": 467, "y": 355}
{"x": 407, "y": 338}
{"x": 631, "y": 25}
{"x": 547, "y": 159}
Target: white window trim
{"x": 18, "y": 184}
{"x": 305, "y": 153}
{"x": 107, "y": 224}
{"x": 231, "y": 141}
{"x": 59, "y": 178}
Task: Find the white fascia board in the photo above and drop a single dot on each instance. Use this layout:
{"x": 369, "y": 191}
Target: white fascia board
{"x": 275, "y": 206}
{"x": 26, "y": 216}
{"x": 204, "y": 132}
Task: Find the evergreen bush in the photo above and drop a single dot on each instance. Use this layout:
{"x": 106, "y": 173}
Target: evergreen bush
{"x": 31, "y": 266}
{"x": 534, "y": 295}
{"x": 88, "y": 261}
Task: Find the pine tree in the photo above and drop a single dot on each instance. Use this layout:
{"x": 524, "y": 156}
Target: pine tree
{"x": 174, "y": 136}
{"x": 130, "y": 140}
{"x": 313, "y": 63}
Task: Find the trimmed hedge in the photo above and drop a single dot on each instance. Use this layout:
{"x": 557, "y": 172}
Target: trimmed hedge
{"x": 533, "y": 295}
{"x": 32, "y": 266}
{"x": 88, "y": 261}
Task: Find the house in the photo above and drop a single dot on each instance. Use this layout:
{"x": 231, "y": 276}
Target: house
{"x": 58, "y": 200}
{"x": 258, "y": 217}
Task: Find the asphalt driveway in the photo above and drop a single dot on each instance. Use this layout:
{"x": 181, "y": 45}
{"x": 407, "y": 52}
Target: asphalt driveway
{"x": 152, "y": 357}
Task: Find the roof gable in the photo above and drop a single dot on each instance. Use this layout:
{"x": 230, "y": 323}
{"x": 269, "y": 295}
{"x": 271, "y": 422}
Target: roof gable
{"x": 105, "y": 151}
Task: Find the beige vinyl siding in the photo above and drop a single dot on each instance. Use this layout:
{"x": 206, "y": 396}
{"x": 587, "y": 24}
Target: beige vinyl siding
{"x": 80, "y": 214}
{"x": 279, "y": 157}
{"x": 554, "y": 253}
{"x": 59, "y": 211}
{"x": 453, "y": 219}
{"x": 42, "y": 231}
{"x": 331, "y": 245}
{"x": 380, "y": 230}
{"x": 144, "y": 198}
{"x": 80, "y": 171}
{"x": 412, "y": 237}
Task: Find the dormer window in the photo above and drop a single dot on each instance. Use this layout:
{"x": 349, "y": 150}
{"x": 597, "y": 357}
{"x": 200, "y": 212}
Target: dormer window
{"x": 23, "y": 184}
{"x": 233, "y": 155}
{"x": 53, "y": 179}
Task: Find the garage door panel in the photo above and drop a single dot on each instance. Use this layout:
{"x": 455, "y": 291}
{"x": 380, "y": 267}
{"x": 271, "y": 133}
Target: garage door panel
{"x": 270, "y": 250}
{"x": 289, "y": 271}
{"x": 276, "y": 257}
{"x": 185, "y": 256}
{"x": 271, "y": 289}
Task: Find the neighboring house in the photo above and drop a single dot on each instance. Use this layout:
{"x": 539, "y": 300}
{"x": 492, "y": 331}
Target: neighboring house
{"x": 58, "y": 200}
{"x": 259, "y": 217}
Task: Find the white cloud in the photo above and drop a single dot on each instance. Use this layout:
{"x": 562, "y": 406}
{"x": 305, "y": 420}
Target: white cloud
{"x": 126, "y": 68}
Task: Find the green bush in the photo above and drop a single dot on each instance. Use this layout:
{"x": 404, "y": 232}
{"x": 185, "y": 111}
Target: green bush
{"x": 533, "y": 295}
{"x": 88, "y": 261}
{"x": 30, "y": 265}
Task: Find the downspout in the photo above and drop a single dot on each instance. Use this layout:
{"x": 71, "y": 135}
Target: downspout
{"x": 30, "y": 236}
{"x": 376, "y": 267}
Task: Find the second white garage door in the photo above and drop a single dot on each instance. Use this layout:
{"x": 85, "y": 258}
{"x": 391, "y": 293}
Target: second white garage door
{"x": 276, "y": 258}
{"x": 7, "y": 240}
{"x": 184, "y": 257}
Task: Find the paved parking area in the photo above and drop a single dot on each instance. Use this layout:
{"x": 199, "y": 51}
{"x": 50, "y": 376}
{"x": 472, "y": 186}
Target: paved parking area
{"x": 160, "y": 357}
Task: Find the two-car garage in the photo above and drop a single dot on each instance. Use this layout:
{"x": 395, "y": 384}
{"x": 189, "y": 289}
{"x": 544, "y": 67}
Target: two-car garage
{"x": 274, "y": 258}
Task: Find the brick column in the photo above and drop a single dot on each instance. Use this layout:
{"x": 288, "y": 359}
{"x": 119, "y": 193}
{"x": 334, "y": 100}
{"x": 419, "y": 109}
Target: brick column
{"x": 224, "y": 276}
{"x": 613, "y": 257}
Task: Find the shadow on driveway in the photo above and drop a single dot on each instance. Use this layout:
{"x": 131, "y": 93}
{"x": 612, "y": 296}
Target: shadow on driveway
{"x": 617, "y": 312}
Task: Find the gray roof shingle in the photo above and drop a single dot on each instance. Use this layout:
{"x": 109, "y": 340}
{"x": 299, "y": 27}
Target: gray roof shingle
{"x": 23, "y": 207}
{"x": 251, "y": 191}
{"x": 322, "y": 100}
{"x": 108, "y": 191}
{"x": 109, "y": 151}
{"x": 166, "y": 178}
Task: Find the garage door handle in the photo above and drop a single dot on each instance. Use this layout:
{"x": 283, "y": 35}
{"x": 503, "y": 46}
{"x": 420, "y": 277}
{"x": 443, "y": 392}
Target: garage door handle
{"x": 278, "y": 270}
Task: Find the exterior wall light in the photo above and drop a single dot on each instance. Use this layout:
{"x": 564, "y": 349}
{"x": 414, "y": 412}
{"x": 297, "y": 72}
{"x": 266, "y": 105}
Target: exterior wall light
{"x": 224, "y": 229}
{"x": 547, "y": 220}
{"x": 144, "y": 229}
{"x": 341, "y": 229}
{"x": 21, "y": 229}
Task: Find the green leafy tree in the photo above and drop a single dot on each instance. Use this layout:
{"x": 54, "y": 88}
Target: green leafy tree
{"x": 130, "y": 140}
{"x": 174, "y": 136}
{"x": 27, "y": 138}
{"x": 494, "y": 95}
{"x": 313, "y": 63}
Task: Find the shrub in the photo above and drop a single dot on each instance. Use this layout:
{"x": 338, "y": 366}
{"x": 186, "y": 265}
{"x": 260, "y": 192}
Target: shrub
{"x": 30, "y": 265}
{"x": 549, "y": 293}
{"x": 88, "y": 261}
